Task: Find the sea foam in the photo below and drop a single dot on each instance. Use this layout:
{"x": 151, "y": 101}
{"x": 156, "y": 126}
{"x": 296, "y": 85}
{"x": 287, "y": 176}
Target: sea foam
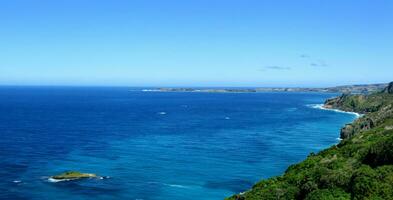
{"x": 175, "y": 185}
{"x": 320, "y": 106}
{"x": 52, "y": 180}
{"x": 169, "y": 185}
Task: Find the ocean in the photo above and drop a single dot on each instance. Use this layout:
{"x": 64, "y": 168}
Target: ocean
{"x": 154, "y": 145}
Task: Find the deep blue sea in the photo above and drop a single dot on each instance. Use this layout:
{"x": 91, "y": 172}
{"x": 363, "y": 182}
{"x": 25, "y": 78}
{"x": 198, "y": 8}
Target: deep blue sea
{"x": 154, "y": 145}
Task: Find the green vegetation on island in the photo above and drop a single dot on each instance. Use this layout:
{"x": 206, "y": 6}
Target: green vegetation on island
{"x": 359, "y": 167}
{"x": 73, "y": 175}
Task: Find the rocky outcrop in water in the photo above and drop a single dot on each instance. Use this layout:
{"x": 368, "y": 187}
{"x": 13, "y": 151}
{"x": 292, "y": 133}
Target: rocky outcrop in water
{"x": 73, "y": 175}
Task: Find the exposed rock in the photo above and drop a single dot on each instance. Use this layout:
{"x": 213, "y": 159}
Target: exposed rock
{"x": 347, "y": 131}
{"x": 389, "y": 88}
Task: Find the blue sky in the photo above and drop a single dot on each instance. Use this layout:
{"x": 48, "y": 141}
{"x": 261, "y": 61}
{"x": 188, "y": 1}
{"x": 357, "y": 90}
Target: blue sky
{"x": 196, "y": 42}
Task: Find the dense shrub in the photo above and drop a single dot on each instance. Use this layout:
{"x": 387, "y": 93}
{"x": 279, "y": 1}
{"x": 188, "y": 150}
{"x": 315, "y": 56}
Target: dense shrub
{"x": 380, "y": 153}
{"x": 329, "y": 194}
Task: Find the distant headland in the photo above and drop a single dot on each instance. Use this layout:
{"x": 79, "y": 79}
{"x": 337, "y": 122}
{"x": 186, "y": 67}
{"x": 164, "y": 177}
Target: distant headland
{"x": 356, "y": 89}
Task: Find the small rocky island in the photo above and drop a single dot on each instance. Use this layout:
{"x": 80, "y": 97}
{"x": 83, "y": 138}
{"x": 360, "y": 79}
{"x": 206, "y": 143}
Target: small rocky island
{"x": 72, "y": 175}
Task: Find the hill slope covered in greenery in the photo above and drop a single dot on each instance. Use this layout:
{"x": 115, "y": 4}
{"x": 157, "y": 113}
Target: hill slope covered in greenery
{"x": 359, "y": 167}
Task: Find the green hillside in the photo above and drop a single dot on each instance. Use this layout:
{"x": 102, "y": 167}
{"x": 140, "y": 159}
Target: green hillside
{"x": 359, "y": 167}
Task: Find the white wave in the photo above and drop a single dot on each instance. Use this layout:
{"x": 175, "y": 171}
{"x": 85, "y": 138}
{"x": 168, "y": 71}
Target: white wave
{"x": 169, "y": 185}
{"x": 162, "y": 113}
{"x": 52, "y": 180}
{"x": 291, "y": 109}
{"x": 150, "y": 90}
{"x": 321, "y": 106}
{"x": 227, "y": 118}
{"x": 317, "y": 106}
{"x": 176, "y": 185}
{"x": 17, "y": 181}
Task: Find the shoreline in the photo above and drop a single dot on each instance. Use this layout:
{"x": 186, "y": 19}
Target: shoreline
{"x": 345, "y": 166}
{"x": 322, "y": 107}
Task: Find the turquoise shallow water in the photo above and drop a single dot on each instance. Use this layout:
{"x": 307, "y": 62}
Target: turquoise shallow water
{"x": 153, "y": 145}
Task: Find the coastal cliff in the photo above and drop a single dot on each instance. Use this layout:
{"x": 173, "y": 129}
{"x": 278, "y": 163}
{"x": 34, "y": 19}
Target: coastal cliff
{"x": 359, "y": 167}
{"x": 389, "y": 88}
{"x": 377, "y": 107}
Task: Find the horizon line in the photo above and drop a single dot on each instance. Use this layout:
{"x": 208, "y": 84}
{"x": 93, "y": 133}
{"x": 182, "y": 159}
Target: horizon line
{"x": 179, "y": 86}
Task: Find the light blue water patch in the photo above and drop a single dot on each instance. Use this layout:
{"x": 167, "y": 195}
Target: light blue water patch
{"x": 152, "y": 145}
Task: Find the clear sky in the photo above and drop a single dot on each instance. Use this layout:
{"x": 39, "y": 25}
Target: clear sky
{"x": 196, "y": 42}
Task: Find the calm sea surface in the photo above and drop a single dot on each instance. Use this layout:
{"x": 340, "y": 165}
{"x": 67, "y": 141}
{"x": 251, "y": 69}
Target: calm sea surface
{"x": 152, "y": 145}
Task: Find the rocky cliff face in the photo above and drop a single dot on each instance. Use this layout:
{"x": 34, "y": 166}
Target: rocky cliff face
{"x": 377, "y": 106}
{"x": 367, "y": 122}
{"x": 346, "y": 102}
{"x": 389, "y": 88}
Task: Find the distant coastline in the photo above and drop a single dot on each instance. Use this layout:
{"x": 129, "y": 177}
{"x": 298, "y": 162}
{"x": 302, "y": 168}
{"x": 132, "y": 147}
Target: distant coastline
{"x": 356, "y": 89}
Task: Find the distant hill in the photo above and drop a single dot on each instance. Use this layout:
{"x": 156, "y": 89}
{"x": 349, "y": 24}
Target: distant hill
{"x": 359, "y": 167}
{"x": 356, "y": 89}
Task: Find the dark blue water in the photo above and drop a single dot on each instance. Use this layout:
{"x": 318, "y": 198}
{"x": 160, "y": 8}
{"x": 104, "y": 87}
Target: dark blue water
{"x": 154, "y": 145}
